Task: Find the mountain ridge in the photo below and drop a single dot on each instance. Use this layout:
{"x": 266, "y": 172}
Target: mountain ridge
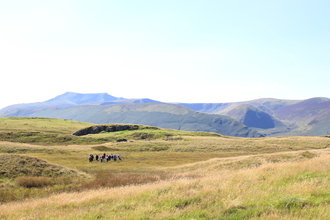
{"x": 169, "y": 116}
{"x": 266, "y": 116}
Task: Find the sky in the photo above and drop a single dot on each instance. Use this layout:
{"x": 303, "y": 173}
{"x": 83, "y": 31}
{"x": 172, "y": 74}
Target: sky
{"x": 193, "y": 51}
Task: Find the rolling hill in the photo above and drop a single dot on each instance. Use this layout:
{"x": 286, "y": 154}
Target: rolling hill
{"x": 275, "y": 117}
{"x": 172, "y": 175}
{"x": 267, "y": 116}
{"x": 258, "y": 119}
{"x": 64, "y": 100}
{"x": 154, "y": 114}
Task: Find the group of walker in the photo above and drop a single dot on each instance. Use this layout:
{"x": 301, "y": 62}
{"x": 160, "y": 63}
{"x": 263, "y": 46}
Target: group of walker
{"x": 104, "y": 157}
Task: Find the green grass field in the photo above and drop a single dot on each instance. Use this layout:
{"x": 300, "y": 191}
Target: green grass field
{"x": 163, "y": 174}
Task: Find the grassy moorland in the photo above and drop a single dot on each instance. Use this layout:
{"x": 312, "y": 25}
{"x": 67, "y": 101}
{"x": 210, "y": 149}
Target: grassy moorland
{"x": 164, "y": 174}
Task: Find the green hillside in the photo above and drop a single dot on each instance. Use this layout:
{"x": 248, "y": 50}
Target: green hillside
{"x": 258, "y": 119}
{"x": 162, "y": 115}
{"x": 280, "y": 117}
{"x": 52, "y": 131}
{"x": 163, "y": 174}
{"x": 254, "y": 118}
{"x": 36, "y": 124}
{"x": 307, "y": 117}
{"x": 270, "y": 105}
{"x": 304, "y": 111}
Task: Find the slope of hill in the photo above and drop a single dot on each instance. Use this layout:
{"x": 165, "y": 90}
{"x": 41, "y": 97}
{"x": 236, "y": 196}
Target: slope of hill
{"x": 310, "y": 117}
{"x": 35, "y": 105}
{"x": 154, "y": 114}
{"x": 183, "y": 177}
{"x": 268, "y": 105}
{"x": 206, "y": 107}
{"x": 256, "y": 118}
{"x": 130, "y": 101}
{"x": 65, "y": 100}
{"x": 277, "y": 116}
{"x": 256, "y": 114}
{"x": 304, "y": 111}
{"x": 268, "y": 116}
{"x": 174, "y": 175}
{"x": 17, "y": 165}
{"x": 252, "y": 116}
{"x": 48, "y": 125}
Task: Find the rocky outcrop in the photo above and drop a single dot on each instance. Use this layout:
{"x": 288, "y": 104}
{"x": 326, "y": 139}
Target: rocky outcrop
{"x": 122, "y": 140}
{"x": 106, "y": 128}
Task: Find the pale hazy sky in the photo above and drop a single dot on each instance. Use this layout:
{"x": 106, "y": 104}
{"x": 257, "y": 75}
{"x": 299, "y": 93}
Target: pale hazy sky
{"x": 167, "y": 50}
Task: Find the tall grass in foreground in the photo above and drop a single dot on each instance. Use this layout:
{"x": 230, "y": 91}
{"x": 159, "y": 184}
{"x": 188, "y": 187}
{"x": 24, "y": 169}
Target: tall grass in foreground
{"x": 289, "y": 190}
{"x": 103, "y": 180}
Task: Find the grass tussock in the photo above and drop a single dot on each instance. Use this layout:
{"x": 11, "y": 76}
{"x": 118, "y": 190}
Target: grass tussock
{"x": 33, "y": 181}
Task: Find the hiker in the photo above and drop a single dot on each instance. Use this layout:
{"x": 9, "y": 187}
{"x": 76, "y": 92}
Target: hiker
{"x": 119, "y": 158}
{"x": 97, "y": 157}
{"x": 101, "y": 159}
{"x": 91, "y": 158}
{"x": 107, "y": 157}
{"x": 115, "y": 157}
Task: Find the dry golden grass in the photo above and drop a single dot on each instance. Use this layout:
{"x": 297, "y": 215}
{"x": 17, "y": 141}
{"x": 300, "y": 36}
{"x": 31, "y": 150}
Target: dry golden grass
{"x": 40, "y": 124}
{"x": 295, "y": 189}
{"x": 34, "y": 181}
{"x": 182, "y": 176}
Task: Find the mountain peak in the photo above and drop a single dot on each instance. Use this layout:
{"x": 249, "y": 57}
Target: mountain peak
{"x": 79, "y": 98}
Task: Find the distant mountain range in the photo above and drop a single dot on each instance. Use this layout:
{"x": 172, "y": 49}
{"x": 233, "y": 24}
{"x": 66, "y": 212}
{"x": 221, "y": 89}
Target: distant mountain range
{"x": 255, "y": 118}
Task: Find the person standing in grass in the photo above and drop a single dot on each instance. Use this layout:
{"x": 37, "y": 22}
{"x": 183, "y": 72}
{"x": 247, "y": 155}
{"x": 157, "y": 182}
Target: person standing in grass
{"x": 91, "y": 158}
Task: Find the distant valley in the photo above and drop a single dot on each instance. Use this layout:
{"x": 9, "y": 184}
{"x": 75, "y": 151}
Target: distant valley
{"x": 255, "y": 118}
